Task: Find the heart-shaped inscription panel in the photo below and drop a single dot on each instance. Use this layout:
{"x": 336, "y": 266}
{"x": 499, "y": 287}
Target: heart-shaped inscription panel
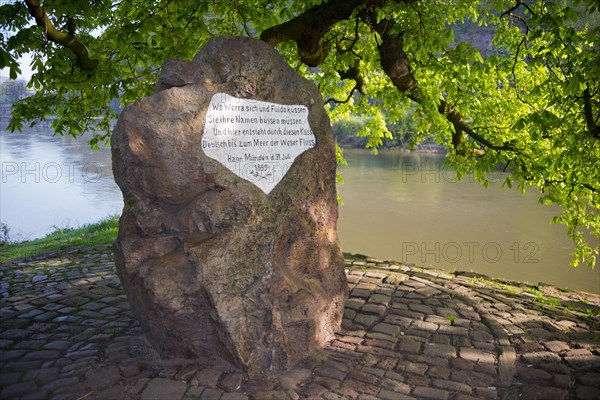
{"x": 256, "y": 140}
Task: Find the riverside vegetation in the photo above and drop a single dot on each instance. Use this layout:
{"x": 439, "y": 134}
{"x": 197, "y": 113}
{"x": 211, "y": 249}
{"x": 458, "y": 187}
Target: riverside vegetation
{"x": 99, "y": 233}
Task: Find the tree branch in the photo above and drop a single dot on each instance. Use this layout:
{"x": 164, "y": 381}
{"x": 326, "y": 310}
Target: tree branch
{"x": 459, "y": 123}
{"x": 589, "y": 113}
{"x": 308, "y": 28}
{"x": 307, "y": 31}
{"x": 342, "y": 101}
{"x": 36, "y": 10}
{"x": 394, "y": 60}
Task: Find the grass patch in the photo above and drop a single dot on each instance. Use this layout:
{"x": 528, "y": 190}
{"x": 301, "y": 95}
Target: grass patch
{"x": 102, "y": 232}
{"x": 497, "y": 284}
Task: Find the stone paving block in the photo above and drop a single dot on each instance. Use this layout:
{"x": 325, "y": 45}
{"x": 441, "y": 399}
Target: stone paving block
{"x": 371, "y": 308}
{"x": 361, "y": 376}
{"x": 589, "y": 379}
{"x": 460, "y": 363}
{"x": 231, "y": 382}
{"x": 409, "y": 345}
{"x": 365, "y": 320}
{"x": 6, "y": 355}
{"x": 412, "y": 367}
{"x": 578, "y": 353}
{"x": 532, "y": 374}
{"x": 354, "y": 303}
{"x": 193, "y": 393}
{"x": 425, "y": 326}
{"x": 41, "y": 376}
{"x": 273, "y": 395}
{"x": 60, "y": 345}
{"x": 476, "y": 355}
{"x": 439, "y": 350}
{"x": 40, "y": 395}
{"x": 208, "y": 377}
{"x": 385, "y": 394}
{"x": 439, "y": 338}
{"x": 111, "y": 393}
{"x": 421, "y": 309}
{"x": 540, "y": 357}
{"x": 374, "y": 371}
{"x": 161, "y": 388}
{"x": 472, "y": 378}
{"x": 330, "y": 372}
{"x": 349, "y": 314}
{"x": 326, "y": 382}
{"x": 62, "y": 383}
{"x": 462, "y": 396}
{"x": 42, "y": 355}
{"x": 529, "y": 347}
{"x": 430, "y": 393}
{"x": 361, "y": 387}
{"x": 398, "y": 320}
{"x": 351, "y": 339}
{"x": 211, "y": 394}
{"x": 562, "y": 381}
{"x": 234, "y": 396}
{"x": 17, "y": 390}
{"x": 488, "y": 369}
{"x": 361, "y": 293}
{"x": 138, "y": 386}
{"x": 367, "y": 397}
{"x": 543, "y": 393}
{"x": 488, "y": 393}
{"x": 388, "y": 329}
{"x": 451, "y": 385}
{"x": 439, "y": 372}
{"x": 584, "y": 363}
{"x": 556, "y": 346}
{"x": 101, "y": 378}
{"x": 343, "y": 366}
{"x": 374, "y": 344}
{"x": 387, "y": 363}
{"x": 380, "y": 299}
{"x": 395, "y": 386}
{"x": 89, "y": 314}
{"x": 331, "y": 396}
{"x": 587, "y": 393}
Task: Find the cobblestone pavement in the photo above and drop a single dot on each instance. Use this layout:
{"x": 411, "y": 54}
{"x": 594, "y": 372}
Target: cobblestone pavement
{"x": 67, "y": 332}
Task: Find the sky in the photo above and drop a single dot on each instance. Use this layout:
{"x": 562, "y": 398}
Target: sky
{"x": 24, "y": 63}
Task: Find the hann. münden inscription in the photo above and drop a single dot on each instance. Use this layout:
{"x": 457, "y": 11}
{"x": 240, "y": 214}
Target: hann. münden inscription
{"x": 256, "y": 140}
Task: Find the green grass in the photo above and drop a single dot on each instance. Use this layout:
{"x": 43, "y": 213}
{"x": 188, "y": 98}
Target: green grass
{"x": 102, "y": 232}
{"x": 451, "y": 318}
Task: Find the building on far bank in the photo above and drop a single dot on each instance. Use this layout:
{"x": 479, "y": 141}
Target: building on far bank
{"x": 12, "y": 91}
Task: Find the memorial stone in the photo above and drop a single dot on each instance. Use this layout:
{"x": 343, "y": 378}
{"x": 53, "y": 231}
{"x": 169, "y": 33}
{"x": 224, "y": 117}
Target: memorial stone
{"x": 227, "y": 245}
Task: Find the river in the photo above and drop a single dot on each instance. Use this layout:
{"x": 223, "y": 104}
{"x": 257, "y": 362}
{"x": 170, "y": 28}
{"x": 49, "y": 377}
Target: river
{"x": 397, "y": 206}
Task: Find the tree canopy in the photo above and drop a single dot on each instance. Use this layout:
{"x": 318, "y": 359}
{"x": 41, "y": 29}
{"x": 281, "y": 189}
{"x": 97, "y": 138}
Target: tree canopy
{"x": 522, "y": 94}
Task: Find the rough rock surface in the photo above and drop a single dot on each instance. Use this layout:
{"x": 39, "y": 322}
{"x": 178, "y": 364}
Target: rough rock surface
{"x": 212, "y": 266}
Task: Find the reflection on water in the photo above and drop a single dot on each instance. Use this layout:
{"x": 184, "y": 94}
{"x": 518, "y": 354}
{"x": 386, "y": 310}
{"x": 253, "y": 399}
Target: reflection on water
{"x": 396, "y": 206}
{"x": 53, "y": 182}
{"x": 410, "y": 207}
